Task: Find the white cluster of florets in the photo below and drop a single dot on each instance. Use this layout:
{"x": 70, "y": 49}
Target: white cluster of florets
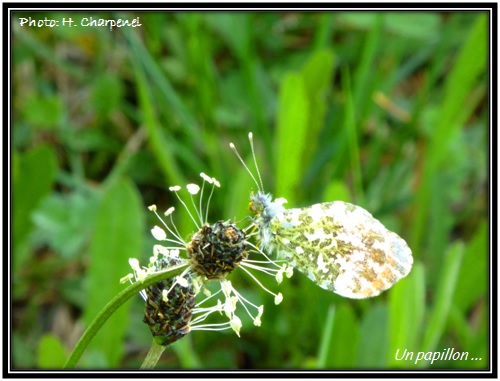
{"x": 231, "y": 298}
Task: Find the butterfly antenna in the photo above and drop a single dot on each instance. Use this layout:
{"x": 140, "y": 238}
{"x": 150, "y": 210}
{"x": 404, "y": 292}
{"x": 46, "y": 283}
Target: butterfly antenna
{"x": 250, "y": 138}
{"x": 231, "y": 145}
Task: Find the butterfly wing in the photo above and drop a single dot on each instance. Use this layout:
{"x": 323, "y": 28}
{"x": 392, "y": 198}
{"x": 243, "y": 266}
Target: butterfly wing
{"x": 342, "y": 248}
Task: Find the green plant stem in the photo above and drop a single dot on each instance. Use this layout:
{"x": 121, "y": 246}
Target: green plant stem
{"x": 326, "y": 337}
{"x": 153, "y": 355}
{"x": 112, "y": 306}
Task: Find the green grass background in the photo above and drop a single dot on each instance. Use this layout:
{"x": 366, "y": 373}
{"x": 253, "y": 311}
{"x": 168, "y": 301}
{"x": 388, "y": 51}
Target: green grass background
{"x": 385, "y": 110}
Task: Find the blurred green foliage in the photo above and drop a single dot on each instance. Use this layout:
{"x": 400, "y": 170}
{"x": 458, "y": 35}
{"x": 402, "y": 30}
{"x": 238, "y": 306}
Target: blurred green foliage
{"x": 386, "y": 110}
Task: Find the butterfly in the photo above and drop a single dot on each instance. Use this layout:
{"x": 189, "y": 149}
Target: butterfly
{"x": 339, "y": 246}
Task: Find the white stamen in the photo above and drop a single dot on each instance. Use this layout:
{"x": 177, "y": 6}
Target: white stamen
{"x": 278, "y": 298}
{"x": 208, "y": 179}
{"x": 193, "y": 188}
{"x": 159, "y": 233}
{"x": 134, "y": 263}
{"x": 164, "y": 296}
{"x": 126, "y": 278}
{"x": 182, "y": 282}
{"x": 236, "y": 324}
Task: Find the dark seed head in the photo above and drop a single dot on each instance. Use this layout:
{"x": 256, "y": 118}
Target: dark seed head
{"x": 168, "y": 320}
{"x": 216, "y": 250}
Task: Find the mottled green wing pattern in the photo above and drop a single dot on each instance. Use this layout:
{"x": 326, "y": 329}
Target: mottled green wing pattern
{"x": 342, "y": 248}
